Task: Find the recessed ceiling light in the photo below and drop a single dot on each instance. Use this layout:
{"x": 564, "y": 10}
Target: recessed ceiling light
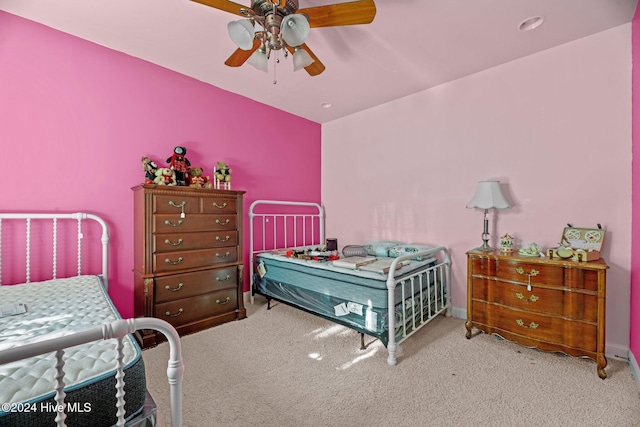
{"x": 531, "y": 23}
{"x": 326, "y": 105}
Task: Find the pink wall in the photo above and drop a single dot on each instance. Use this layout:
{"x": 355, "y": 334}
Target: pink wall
{"x": 634, "y": 339}
{"x": 75, "y": 118}
{"x": 554, "y": 127}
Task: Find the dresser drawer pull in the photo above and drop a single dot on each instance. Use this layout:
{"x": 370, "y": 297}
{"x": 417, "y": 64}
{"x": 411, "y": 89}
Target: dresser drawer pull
{"x": 529, "y": 275}
{"x": 181, "y": 206}
{"x": 224, "y": 205}
{"x": 179, "y": 223}
{"x": 168, "y": 313}
{"x": 223, "y": 256}
{"x": 169, "y": 242}
{"x": 168, "y": 261}
{"x": 220, "y": 240}
{"x": 169, "y": 288}
{"x": 532, "y": 298}
{"x": 222, "y": 223}
{"x": 223, "y": 280}
{"x": 223, "y": 302}
{"x": 532, "y": 325}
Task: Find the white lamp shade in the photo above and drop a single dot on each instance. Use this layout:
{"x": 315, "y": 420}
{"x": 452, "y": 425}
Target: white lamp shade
{"x": 259, "y": 60}
{"x": 488, "y": 196}
{"x": 301, "y": 59}
{"x": 241, "y": 32}
{"x": 295, "y": 29}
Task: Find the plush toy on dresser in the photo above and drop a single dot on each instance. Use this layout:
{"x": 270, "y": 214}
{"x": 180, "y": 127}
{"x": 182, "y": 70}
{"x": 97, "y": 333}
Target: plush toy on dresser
{"x": 222, "y": 175}
{"x": 149, "y": 167}
{"x": 197, "y": 180}
{"x": 180, "y": 165}
{"x": 165, "y": 176}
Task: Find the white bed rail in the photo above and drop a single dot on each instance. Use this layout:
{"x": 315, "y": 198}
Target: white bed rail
{"x": 115, "y": 330}
{"x": 79, "y": 217}
{"x": 268, "y": 224}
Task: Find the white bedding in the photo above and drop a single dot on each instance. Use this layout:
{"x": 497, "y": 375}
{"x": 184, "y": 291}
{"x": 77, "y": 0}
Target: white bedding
{"x": 56, "y": 308}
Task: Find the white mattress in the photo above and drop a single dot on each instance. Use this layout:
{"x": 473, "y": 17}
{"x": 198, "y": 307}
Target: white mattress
{"x": 56, "y": 308}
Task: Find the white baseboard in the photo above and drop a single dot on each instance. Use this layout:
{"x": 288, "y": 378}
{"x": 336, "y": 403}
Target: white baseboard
{"x": 635, "y": 370}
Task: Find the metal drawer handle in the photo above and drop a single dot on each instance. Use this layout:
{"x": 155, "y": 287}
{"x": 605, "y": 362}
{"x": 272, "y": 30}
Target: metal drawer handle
{"x": 175, "y": 205}
{"x": 223, "y": 302}
{"x": 169, "y": 288}
{"x": 224, "y": 205}
{"x": 532, "y": 298}
{"x": 173, "y": 225}
{"x": 168, "y": 261}
{"x": 220, "y": 240}
{"x": 529, "y": 275}
{"x": 223, "y": 256}
{"x": 222, "y": 223}
{"x": 532, "y": 325}
{"x": 169, "y": 242}
{"x": 168, "y": 313}
{"x": 223, "y": 280}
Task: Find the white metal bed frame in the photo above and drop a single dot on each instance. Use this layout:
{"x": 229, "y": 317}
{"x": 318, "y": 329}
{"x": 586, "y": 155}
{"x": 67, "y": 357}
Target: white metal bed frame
{"x": 265, "y": 220}
{"x": 118, "y": 329}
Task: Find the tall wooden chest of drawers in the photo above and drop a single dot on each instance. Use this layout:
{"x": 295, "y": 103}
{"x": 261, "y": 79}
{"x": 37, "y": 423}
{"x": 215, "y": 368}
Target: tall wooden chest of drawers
{"x": 188, "y": 266}
{"x": 551, "y": 305}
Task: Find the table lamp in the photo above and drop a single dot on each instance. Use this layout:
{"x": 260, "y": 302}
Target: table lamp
{"x": 488, "y": 196}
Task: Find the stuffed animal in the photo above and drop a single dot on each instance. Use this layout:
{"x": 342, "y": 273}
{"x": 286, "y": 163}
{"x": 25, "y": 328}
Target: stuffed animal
{"x": 149, "y": 167}
{"x": 165, "y": 176}
{"x": 197, "y": 180}
{"x": 222, "y": 172}
{"x": 180, "y": 164}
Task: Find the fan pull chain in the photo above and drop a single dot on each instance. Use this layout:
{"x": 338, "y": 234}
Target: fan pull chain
{"x": 276, "y": 61}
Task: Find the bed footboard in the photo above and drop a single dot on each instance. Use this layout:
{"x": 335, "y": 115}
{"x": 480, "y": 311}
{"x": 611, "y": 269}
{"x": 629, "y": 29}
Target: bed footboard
{"x": 118, "y": 329}
{"x": 417, "y": 308}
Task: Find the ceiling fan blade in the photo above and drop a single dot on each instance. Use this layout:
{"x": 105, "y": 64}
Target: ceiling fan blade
{"x": 240, "y": 56}
{"x": 316, "y": 66}
{"x": 227, "y": 6}
{"x": 351, "y": 13}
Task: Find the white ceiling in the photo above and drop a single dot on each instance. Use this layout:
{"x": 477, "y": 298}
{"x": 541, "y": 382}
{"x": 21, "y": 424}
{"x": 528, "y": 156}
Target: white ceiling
{"x": 411, "y": 45}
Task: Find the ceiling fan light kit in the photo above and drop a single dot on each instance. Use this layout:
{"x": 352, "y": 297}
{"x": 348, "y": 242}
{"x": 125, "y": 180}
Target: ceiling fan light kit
{"x": 273, "y": 25}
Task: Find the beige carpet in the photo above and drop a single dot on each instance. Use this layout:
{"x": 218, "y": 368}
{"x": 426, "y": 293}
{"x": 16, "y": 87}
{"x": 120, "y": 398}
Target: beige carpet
{"x": 284, "y": 367}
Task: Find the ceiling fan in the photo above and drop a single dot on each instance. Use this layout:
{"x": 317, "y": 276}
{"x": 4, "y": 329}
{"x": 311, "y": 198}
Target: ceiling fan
{"x": 274, "y": 25}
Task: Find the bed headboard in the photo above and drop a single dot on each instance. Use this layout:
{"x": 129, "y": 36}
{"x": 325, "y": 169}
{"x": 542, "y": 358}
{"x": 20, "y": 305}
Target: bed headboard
{"x": 276, "y": 224}
{"x": 50, "y": 232}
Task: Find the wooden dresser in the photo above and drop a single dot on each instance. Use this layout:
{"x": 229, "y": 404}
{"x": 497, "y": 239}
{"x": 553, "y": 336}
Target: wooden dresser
{"x": 551, "y": 305}
{"x": 188, "y": 267}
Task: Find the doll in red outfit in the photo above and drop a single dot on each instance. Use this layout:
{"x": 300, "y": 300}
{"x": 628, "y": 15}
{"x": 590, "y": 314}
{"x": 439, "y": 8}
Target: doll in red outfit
{"x": 180, "y": 165}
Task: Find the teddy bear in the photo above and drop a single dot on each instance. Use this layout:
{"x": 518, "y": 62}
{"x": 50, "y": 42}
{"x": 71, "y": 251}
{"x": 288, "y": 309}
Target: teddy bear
{"x": 197, "y": 180}
{"x": 222, "y": 172}
{"x": 165, "y": 176}
{"x": 180, "y": 165}
{"x": 149, "y": 167}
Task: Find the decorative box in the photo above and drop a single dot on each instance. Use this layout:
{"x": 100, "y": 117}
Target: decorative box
{"x": 579, "y": 244}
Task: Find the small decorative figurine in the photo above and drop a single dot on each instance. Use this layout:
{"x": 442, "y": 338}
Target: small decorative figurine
{"x": 506, "y": 243}
{"x": 180, "y": 165}
{"x": 149, "y": 167}
{"x": 165, "y": 176}
{"x": 531, "y": 250}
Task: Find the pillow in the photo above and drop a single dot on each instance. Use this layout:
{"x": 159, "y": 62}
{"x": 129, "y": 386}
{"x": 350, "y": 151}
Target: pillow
{"x": 403, "y": 249}
{"x": 380, "y": 248}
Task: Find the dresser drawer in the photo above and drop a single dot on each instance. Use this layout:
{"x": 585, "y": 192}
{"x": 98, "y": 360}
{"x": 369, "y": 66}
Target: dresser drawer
{"x": 178, "y": 286}
{"x": 176, "y": 204}
{"x": 183, "y": 260}
{"x": 572, "y": 305}
{"x": 194, "y": 222}
{"x": 550, "y": 329}
{"x": 217, "y": 206}
{"x": 167, "y": 242}
{"x": 197, "y": 308}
